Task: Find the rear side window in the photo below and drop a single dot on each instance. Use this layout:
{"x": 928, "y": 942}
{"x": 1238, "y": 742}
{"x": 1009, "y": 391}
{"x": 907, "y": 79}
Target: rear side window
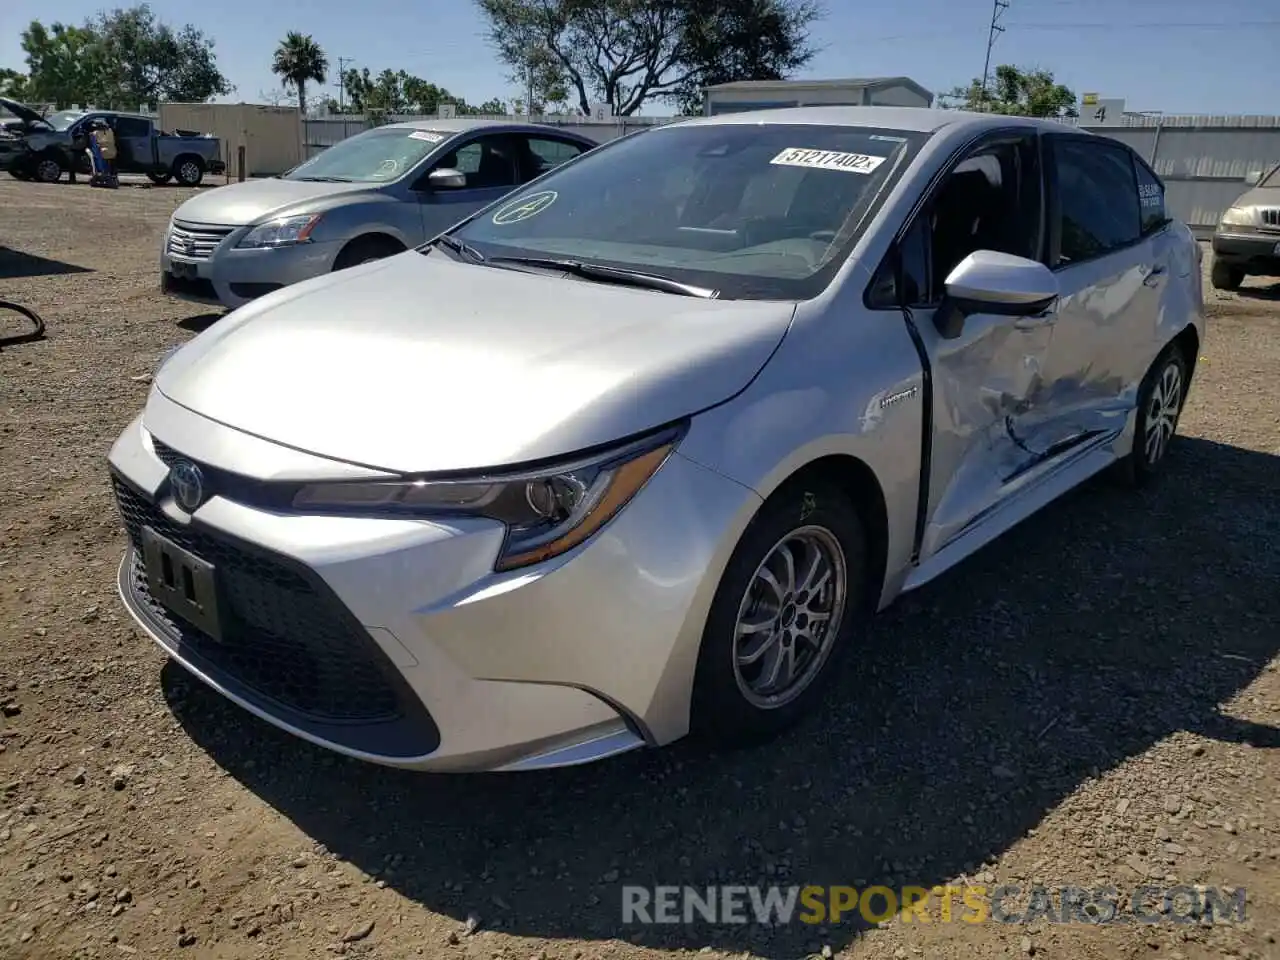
{"x": 132, "y": 127}
{"x": 1098, "y": 209}
{"x": 1150, "y": 199}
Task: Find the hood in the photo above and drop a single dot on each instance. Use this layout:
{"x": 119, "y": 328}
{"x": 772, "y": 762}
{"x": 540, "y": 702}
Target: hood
{"x": 1259, "y": 197}
{"x": 417, "y": 363}
{"x": 238, "y": 204}
{"x": 25, "y": 114}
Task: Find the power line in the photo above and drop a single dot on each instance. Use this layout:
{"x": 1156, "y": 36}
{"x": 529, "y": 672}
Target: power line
{"x": 1233, "y": 25}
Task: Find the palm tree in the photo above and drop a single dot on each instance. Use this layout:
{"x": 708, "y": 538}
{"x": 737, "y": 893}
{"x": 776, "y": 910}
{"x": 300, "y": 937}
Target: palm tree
{"x": 297, "y": 61}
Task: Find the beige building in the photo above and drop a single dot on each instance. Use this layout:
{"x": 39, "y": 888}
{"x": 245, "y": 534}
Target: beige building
{"x": 769, "y": 94}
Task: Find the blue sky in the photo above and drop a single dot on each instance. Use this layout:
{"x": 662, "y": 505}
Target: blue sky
{"x": 1179, "y": 56}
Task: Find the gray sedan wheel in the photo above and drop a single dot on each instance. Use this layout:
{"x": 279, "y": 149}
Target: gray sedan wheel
{"x": 791, "y": 601}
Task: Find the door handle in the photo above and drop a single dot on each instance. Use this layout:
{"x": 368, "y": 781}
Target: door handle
{"x": 1153, "y": 276}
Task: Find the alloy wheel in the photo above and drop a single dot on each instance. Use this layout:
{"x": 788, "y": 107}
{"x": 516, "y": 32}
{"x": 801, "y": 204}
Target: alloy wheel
{"x": 1162, "y": 413}
{"x": 48, "y": 171}
{"x": 789, "y": 617}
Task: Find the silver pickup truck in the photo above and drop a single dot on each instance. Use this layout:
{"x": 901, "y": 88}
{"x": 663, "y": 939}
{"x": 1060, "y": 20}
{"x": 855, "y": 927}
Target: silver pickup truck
{"x": 45, "y": 148}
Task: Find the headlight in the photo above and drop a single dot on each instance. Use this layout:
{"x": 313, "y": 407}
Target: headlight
{"x": 1238, "y": 217}
{"x": 547, "y": 511}
{"x": 283, "y": 232}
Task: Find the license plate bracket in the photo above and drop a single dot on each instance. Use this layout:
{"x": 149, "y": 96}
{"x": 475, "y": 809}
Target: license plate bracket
{"x": 182, "y": 583}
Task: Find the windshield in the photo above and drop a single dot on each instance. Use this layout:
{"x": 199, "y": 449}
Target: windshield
{"x": 758, "y": 211}
{"x": 63, "y": 119}
{"x": 374, "y": 156}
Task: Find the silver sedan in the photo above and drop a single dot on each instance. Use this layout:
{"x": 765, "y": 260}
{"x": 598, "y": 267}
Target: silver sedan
{"x": 641, "y": 449}
{"x": 367, "y": 197}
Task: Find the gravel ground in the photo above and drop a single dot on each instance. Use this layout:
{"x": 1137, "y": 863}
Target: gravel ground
{"x": 1093, "y": 701}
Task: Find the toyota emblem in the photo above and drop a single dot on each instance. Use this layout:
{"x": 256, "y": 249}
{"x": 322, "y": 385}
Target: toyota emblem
{"x": 187, "y": 483}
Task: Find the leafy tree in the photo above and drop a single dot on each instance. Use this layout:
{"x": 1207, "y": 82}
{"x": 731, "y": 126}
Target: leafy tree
{"x": 298, "y": 60}
{"x": 395, "y": 91}
{"x": 13, "y": 84}
{"x": 626, "y": 52}
{"x": 121, "y": 59}
{"x": 1017, "y": 91}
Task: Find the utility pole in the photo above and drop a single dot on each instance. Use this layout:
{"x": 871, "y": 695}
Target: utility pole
{"x": 997, "y": 9}
{"x": 528, "y": 104}
{"x": 342, "y": 82}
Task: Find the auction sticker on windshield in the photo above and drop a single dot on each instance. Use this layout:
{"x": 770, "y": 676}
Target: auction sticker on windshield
{"x": 525, "y": 207}
{"x": 827, "y": 160}
{"x": 426, "y": 135}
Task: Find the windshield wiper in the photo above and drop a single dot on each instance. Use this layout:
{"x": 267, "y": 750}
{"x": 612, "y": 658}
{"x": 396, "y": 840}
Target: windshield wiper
{"x": 327, "y": 179}
{"x": 460, "y": 247}
{"x": 598, "y": 271}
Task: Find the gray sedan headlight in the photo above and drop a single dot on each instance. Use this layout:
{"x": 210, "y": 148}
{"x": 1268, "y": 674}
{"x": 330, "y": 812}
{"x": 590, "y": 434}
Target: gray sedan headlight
{"x": 547, "y": 511}
{"x": 282, "y": 232}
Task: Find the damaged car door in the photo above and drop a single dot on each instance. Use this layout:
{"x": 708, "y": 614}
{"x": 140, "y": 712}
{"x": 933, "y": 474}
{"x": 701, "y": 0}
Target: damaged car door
{"x": 987, "y": 364}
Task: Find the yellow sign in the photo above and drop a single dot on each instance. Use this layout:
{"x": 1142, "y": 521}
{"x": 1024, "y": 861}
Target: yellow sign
{"x": 1090, "y": 99}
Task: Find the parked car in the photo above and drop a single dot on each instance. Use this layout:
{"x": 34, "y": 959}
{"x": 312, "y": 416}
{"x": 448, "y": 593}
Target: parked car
{"x": 641, "y": 448}
{"x": 49, "y": 147}
{"x": 367, "y": 197}
{"x": 1247, "y": 241}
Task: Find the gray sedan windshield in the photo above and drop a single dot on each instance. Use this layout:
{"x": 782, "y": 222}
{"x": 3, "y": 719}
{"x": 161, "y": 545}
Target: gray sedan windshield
{"x": 375, "y": 156}
{"x": 759, "y": 211}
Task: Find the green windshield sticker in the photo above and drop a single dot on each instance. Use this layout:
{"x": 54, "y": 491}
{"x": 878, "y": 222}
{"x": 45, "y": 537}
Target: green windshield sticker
{"x": 525, "y": 207}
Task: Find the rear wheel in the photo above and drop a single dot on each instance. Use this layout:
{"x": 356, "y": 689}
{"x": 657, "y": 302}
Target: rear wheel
{"x": 188, "y": 171}
{"x": 159, "y": 179}
{"x": 790, "y": 602}
{"x": 364, "y": 250}
{"x": 1160, "y": 402}
{"x": 1223, "y": 276}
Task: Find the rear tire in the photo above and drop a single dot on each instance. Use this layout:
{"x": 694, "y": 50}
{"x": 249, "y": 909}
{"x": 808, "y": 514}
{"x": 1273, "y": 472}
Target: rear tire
{"x": 791, "y": 601}
{"x": 188, "y": 171}
{"x": 1160, "y": 401}
{"x": 1223, "y": 276}
{"x": 364, "y": 250}
{"x": 159, "y": 179}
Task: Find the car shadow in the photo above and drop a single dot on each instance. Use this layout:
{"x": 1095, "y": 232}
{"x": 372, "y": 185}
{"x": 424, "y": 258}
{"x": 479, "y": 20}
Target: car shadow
{"x": 200, "y": 322}
{"x": 17, "y": 265}
{"x": 1271, "y": 292}
{"x": 1103, "y": 624}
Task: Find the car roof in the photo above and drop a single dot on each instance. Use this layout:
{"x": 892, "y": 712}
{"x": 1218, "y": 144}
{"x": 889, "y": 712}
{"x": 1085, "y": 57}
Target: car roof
{"x": 911, "y": 119}
{"x": 467, "y": 124}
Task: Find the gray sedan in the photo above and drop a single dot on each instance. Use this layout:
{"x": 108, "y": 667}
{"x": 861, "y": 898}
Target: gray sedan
{"x": 367, "y": 197}
{"x": 641, "y": 448}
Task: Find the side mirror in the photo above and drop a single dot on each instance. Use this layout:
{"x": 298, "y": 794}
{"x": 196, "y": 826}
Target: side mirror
{"x": 446, "y": 178}
{"x": 1252, "y": 177}
{"x": 998, "y": 283}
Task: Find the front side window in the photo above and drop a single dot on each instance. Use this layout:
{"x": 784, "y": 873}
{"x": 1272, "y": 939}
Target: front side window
{"x": 375, "y": 156}
{"x": 1098, "y": 199}
{"x": 753, "y": 211}
{"x": 488, "y": 162}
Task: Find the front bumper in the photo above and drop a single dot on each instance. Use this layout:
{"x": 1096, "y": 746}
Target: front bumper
{"x": 224, "y": 275}
{"x": 392, "y": 640}
{"x": 1255, "y": 253}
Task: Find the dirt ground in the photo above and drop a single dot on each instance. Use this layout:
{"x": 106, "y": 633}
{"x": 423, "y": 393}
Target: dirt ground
{"x": 1093, "y": 700}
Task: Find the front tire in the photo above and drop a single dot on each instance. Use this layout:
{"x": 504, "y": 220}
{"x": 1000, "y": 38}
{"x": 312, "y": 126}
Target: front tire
{"x": 1160, "y": 402}
{"x": 48, "y": 168}
{"x": 791, "y": 600}
{"x": 1223, "y": 276}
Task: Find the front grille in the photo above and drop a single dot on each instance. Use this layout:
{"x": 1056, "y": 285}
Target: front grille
{"x": 285, "y": 638}
{"x": 1270, "y": 218}
{"x": 194, "y": 241}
